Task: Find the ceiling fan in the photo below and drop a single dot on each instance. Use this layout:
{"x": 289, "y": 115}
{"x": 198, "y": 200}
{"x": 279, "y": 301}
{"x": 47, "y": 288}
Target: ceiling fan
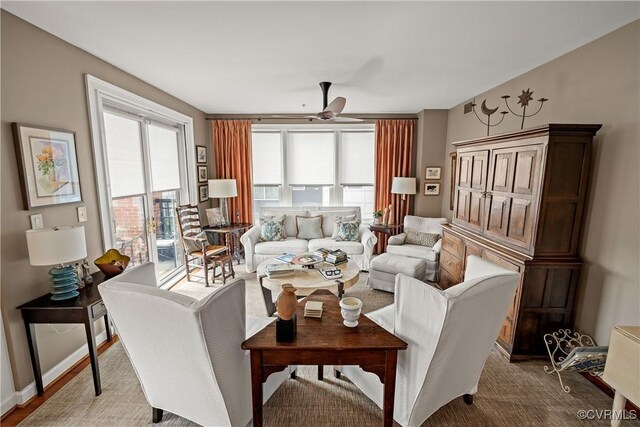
{"x": 329, "y": 112}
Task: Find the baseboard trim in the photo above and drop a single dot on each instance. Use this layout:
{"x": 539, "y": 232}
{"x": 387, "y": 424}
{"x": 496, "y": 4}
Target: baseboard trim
{"x": 23, "y": 396}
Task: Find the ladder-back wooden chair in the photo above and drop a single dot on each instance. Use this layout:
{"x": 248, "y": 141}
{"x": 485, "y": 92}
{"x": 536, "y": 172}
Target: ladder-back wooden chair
{"x": 197, "y": 248}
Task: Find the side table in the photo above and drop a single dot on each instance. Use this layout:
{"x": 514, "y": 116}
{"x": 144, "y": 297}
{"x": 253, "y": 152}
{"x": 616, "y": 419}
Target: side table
{"x": 231, "y": 235}
{"x": 85, "y": 308}
{"x": 389, "y": 230}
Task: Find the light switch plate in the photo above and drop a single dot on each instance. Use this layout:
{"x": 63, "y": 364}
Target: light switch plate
{"x": 36, "y": 221}
{"x": 82, "y": 214}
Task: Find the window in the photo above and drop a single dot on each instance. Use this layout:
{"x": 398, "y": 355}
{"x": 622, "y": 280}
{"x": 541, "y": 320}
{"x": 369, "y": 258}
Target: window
{"x": 304, "y": 166}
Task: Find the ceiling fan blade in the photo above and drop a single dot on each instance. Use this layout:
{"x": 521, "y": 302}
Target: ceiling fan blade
{"x": 336, "y": 106}
{"x": 347, "y": 119}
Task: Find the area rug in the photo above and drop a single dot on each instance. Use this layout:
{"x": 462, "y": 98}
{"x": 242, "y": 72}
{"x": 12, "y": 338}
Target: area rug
{"x": 510, "y": 394}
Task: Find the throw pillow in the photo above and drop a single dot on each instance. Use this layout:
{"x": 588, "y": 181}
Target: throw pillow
{"x": 348, "y": 231}
{"x": 194, "y": 246}
{"x": 422, "y": 239}
{"x": 272, "y": 229}
{"x": 309, "y": 227}
{"x": 337, "y": 219}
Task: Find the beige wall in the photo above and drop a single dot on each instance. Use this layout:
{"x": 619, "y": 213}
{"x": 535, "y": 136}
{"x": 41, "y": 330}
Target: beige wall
{"x": 597, "y": 83}
{"x": 431, "y": 137}
{"x": 43, "y": 84}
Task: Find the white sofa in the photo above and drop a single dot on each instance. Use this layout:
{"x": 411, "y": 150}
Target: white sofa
{"x": 396, "y": 244}
{"x": 186, "y": 352}
{"x": 449, "y": 335}
{"x": 256, "y": 251}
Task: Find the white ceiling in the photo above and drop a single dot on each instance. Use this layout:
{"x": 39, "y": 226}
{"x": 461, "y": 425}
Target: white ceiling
{"x": 268, "y": 57}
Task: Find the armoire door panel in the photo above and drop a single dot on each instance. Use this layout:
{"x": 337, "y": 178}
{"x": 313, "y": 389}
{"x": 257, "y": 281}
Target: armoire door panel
{"x": 476, "y": 210}
{"x": 479, "y": 170}
{"x": 520, "y": 223}
{"x": 526, "y": 170}
{"x": 464, "y": 170}
{"x": 497, "y": 214}
{"x": 462, "y": 206}
{"x": 501, "y": 176}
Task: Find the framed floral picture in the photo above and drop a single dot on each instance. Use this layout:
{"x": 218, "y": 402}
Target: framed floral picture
{"x": 47, "y": 165}
{"x": 202, "y": 174}
{"x": 432, "y": 173}
{"x": 201, "y": 154}
{"x": 203, "y": 192}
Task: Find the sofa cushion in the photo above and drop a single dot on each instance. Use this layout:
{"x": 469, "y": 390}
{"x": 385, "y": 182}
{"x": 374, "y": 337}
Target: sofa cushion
{"x": 328, "y": 219}
{"x": 290, "y": 245}
{"x": 309, "y": 227}
{"x": 290, "y": 219}
{"x": 394, "y": 264}
{"x": 351, "y": 248}
{"x": 415, "y": 251}
{"x": 272, "y": 228}
{"x": 420, "y": 238}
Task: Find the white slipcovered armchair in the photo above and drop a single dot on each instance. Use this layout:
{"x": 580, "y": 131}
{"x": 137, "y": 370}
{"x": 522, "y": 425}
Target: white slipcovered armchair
{"x": 450, "y": 334}
{"x": 397, "y": 246}
{"x": 186, "y": 352}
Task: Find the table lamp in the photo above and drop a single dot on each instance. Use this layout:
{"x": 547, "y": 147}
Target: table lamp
{"x": 404, "y": 186}
{"x": 223, "y": 188}
{"x": 57, "y": 246}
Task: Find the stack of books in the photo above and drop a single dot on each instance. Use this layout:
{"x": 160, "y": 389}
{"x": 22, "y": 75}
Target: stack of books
{"x": 275, "y": 271}
{"x": 322, "y": 252}
{"x": 285, "y": 257}
{"x": 313, "y": 309}
{"x": 336, "y": 257}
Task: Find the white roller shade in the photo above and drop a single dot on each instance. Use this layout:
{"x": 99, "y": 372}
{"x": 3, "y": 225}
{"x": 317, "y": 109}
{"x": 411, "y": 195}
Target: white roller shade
{"x": 357, "y": 154}
{"x": 163, "y": 150}
{"x": 310, "y": 158}
{"x": 124, "y": 154}
{"x": 267, "y": 158}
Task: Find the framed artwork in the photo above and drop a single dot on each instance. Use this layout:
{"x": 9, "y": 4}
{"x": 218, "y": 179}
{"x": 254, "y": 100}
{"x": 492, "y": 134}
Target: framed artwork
{"x": 203, "y": 193}
{"x": 47, "y": 165}
{"x": 201, "y": 154}
{"x": 432, "y": 173}
{"x": 202, "y": 174}
{"x": 215, "y": 217}
{"x": 453, "y": 156}
{"x": 431, "y": 189}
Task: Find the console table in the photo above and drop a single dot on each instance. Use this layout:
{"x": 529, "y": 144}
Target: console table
{"x": 85, "y": 308}
{"x": 325, "y": 341}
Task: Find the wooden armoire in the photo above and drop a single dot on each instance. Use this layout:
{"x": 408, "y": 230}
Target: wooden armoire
{"x": 519, "y": 202}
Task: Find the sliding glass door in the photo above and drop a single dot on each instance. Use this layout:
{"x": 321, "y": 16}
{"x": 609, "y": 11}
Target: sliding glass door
{"x": 146, "y": 175}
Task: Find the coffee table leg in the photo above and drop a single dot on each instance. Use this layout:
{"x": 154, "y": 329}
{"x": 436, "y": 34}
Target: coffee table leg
{"x": 268, "y": 298}
{"x": 340, "y": 289}
{"x": 389, "y": 387}
{"x": 320, "y": 372}
{"x": 256, "y": 387}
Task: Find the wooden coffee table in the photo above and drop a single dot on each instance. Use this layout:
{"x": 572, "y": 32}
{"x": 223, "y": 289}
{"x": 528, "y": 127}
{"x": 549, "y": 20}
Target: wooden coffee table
{"x": 325, "y": 341}
{"x": 306, "y": 281}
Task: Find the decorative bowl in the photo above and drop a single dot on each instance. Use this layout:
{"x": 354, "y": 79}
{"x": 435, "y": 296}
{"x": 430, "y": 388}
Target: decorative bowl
{"x": 307, "y": 260}
{"x": 350, "y": 310}
{"x": 112, "y": 263}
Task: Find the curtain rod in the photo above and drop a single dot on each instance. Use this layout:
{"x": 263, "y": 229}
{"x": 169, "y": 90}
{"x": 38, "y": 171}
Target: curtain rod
{"x": 315, "y": 121}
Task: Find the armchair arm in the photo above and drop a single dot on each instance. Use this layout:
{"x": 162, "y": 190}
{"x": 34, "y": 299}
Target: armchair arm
{"x": 398, "y": 239}
{"x": 438, "y": 246}
{"x": 368, "y": 240}
{"x": 249, "y": 241}
{"x": 384, "y": 317}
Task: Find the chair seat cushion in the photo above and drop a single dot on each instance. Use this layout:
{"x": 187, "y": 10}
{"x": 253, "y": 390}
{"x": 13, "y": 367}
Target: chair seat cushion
{"x": 414, "y": 251}
{"x": 351, "y": 248}
{"x": 211, "y": 250}
{"x": 394, "y": 264}
{"x": 288, "y": 245}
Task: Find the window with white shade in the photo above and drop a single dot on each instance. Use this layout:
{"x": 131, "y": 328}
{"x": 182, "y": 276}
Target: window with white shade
{"x": 297, "y": 165}
{"x": 126, "y": 172}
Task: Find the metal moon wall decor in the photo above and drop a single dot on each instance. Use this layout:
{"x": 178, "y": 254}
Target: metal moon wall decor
{"x": 488, "y": 112}
{"x": 523, "y": 100}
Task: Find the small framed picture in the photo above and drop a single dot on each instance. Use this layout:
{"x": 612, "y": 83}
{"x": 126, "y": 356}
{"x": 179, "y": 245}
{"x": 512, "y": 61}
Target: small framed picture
{"x": 201, "y": 154}
{"x": 431, "y": 189}
{"x": 432, "y": 173}
{"x": 215, "y": 217}
{"x": 203, "y": 192}
{"x": 202, "y": 174}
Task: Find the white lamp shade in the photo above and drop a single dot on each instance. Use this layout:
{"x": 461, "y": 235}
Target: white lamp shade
{"x": 403, "y": 185}
{"x": 57, "y": 245}
{"x": 223, "y": 188}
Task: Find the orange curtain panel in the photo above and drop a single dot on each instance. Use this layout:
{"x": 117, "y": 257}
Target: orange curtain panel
{"x": 232, "y": 151}
{"x": 394, "y": 157}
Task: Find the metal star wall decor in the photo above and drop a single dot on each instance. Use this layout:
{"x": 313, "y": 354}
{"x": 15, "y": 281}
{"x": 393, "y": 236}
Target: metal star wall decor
{"x": 523, "y": 100}
{"x": 488, "y": 112}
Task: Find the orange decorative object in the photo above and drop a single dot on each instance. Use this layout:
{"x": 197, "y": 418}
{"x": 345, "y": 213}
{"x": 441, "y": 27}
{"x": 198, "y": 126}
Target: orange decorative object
{"x": 112, "y": 263}
{"x": 287, "y": 302}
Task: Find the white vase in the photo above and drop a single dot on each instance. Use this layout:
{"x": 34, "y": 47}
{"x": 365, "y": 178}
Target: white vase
{"x": 377, "y": 221}
{"x": 350, "y": 310}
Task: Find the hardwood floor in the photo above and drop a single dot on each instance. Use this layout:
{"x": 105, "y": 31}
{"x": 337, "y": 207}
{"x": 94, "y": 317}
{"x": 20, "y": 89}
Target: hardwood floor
{"x": 20, "y": 412}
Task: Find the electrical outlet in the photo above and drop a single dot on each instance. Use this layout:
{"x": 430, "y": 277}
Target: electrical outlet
{"x": 82, "y": 214}
{"x": 36, "y": 221}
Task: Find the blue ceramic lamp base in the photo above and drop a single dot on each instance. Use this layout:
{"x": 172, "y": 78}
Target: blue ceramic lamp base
{"x": 64, "y": 283}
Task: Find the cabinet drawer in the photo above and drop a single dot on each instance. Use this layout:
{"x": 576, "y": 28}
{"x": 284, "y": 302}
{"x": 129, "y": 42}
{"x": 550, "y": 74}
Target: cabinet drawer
{"x": 451, "y": 264}
{"x": 446, "y": 280}
{"x": 498, "y": 260}
{"x": 506, "y": 332}
{"x": 453, "y": 245}
{"x": 98, "y": 309}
